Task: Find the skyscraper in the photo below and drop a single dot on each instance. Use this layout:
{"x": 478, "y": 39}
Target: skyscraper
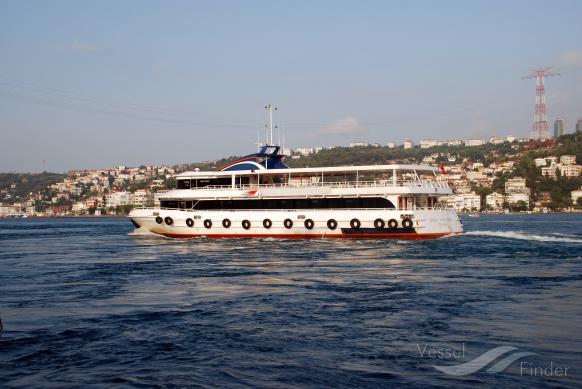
{"x": 579, "y": 125}
{"x": 558, "y": 128}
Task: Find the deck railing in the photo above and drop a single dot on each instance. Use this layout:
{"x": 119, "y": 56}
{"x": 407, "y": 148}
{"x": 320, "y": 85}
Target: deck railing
{"x": 338, "y": 184}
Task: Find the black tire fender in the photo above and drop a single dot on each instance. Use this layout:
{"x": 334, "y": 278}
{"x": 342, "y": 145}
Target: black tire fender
{"x": 407, "y": 223}
{"x": 393, "y": 224}
{"x": 379, "y": 224}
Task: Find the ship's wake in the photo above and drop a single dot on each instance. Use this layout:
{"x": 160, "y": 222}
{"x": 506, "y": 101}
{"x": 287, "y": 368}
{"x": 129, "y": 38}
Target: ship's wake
{"x": 143, "y": 232}
{"x": 527, "y": 236}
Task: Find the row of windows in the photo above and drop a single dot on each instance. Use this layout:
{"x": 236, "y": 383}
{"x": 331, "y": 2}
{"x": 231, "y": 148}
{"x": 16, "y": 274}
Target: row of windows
{"x": 227, "y": 181}
{"x": 201, "y": 183}
{"x": 371, "y": 202}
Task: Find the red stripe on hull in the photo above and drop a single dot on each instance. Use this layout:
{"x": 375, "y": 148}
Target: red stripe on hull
{"x": 404, "y": 236}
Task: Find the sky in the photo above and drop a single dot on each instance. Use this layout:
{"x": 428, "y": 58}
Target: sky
{"x": 104, "y": 83}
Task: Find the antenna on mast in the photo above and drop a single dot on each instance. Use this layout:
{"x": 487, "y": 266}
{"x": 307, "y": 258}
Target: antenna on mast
{"x": 270, "y": 108}
{"x": 283, "y": 142}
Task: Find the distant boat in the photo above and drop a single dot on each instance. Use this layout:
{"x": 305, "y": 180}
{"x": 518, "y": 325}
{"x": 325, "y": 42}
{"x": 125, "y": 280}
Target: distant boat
{"x": 474, "y": 214}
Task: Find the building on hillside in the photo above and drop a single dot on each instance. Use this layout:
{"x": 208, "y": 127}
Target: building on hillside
{"x": 568, "y": 160}
{"x": 359, "y": 144}
{"x": 408, "y": 144}
{"x": 453, "y": 142}
{"x": 428, "y": 143}
{"x": 116, "y": 199}
{"x": 558, "y": 128}
{"x": 570, "y": 170}
{"x": 79, "y": 207}
{"x": 474, "y": 142}
{"x": 513, "y": 198}
{"x": 475, "y": 176}
{"x": 543, "y": 198}
{"x": 575, "y": 195}
{"x": 540, "y": 162}
{"x": 510, "y": 138}
{"x": 494, "y": 201}
{"x": 391, "y": 145}
{"x": 496, "y": 140}
{"x": 141, "y": 197}
{"x": 58, "y": 210}
{"x": 465, "y": 202}
{"x": 516, "y": 185}
{"x": 549, "y": 171}
{"x": 305, "y": 150}
{"x": 516, "y": 190}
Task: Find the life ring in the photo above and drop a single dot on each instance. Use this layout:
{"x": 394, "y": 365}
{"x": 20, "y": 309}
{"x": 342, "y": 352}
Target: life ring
{"x": 308, "y": 223}
{"x": 159, "y": 220}
{"x": 332, "y": 224}
{"x": 288, "y": 223}
{"x": 246, "y": 224}
{"x": 355, "y": 224}
{"x": 168, "y": 220}
{"x": 267, "y": 223}
{"x": 226, "y": 223}
{"x": 407, "y": 223}
{"x": 189, "y": 222}
{"x": 392, "y": 224}
{"x": 379, "y": 224}
{"x": 208, "y": 223}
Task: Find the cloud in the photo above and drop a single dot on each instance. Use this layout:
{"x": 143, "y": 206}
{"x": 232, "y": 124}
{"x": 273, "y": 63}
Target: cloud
{"x": 570, "y": 59}
{"x": 347, "y": 125}
{"x": 81, "y": 47}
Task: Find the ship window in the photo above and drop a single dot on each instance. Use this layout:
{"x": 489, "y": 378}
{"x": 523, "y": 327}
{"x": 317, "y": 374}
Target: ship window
{"x": 202, "y": 182}
{"x": 327, "y": 203}
{"x": 183, "y": 184}
{"x": 168, "y": 204}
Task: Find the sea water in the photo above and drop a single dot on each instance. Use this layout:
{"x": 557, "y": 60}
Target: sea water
{"x": 93, "y": 302}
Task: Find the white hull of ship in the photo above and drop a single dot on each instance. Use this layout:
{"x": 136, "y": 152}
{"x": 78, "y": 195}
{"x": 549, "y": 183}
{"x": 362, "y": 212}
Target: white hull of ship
{"x": 426, "y": 224}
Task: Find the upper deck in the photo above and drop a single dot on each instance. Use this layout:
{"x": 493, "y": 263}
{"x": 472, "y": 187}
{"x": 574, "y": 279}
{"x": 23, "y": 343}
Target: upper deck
{"x": 313, "y": 171}
{"x": 352, "y": 181}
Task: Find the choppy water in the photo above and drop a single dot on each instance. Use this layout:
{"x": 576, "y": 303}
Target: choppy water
{"x": 91, "y": 302}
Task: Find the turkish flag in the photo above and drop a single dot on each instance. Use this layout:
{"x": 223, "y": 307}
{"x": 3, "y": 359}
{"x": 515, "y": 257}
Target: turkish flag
{"x": 443, "y": 169}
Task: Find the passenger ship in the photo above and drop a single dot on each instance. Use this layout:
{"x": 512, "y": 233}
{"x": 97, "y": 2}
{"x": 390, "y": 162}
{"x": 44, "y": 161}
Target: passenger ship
{"x": 259, "y": 196}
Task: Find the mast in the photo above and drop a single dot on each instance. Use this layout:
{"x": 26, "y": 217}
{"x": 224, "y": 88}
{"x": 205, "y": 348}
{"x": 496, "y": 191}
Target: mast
{"x": 270, "y": 108}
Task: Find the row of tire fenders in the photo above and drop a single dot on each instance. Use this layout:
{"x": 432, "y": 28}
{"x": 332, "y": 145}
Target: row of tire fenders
{"x": 332, "y": 224}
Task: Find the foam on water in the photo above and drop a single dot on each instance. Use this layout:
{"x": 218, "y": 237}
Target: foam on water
{"x": 143, "y": 232}
{"x": 526, "y": 236}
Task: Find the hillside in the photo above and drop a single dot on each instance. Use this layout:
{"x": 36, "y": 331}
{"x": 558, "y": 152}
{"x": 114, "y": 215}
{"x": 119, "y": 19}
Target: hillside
{"x": 25, "y": 183}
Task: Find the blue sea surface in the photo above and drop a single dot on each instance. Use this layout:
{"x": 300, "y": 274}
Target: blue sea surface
{"x": 90, "y": 302}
